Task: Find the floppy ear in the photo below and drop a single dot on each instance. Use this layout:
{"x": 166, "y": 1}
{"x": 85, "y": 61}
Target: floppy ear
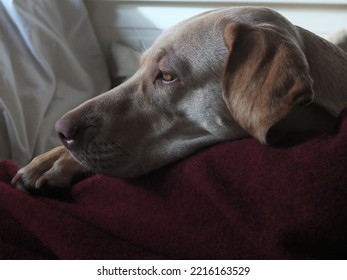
{"x": 266, "y": 76}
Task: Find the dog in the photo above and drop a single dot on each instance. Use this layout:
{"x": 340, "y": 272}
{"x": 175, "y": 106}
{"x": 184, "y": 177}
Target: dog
{"x": 222, "y": 75}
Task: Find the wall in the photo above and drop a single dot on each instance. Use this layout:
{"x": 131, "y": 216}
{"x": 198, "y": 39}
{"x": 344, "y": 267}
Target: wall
{"x": 137, "y": 23}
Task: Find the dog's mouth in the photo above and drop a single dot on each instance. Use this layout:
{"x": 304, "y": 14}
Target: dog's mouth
{"x": 108, "y": 158}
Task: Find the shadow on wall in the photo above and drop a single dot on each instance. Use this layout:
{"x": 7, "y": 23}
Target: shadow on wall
{"x": 340, "y": 39}
{"x": 122, "y": 23}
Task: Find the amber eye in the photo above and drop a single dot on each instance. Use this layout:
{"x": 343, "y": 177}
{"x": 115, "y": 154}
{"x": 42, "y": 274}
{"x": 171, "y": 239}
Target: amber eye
{"x": 167, "y": 77}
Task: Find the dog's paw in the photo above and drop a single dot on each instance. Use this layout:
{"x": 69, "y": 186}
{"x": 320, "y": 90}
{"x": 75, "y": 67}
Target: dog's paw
{"x": 55, "y": 169}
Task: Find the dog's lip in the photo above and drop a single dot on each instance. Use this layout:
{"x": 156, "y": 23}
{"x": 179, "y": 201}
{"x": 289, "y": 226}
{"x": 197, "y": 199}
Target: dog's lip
{"x": 70, "y": 144}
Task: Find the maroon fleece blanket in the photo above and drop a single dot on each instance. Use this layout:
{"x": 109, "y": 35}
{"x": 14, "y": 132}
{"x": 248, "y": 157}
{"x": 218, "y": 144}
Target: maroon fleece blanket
{"x": 235, "y": 200}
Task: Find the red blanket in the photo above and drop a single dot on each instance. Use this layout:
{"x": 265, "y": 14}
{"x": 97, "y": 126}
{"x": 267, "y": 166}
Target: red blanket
{"x": 235, "y": 200}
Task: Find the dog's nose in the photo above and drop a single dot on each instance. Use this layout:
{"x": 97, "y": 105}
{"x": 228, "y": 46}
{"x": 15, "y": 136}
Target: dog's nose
{"x": 66, "y": 129}
{"x": 75, "y": 129}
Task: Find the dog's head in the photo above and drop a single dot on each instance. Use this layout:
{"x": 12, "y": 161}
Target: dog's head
{"x": 218, "y": 76}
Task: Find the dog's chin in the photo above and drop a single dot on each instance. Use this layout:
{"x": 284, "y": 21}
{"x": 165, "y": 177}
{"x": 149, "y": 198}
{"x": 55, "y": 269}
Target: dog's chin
{"x": 121, "y": 165}
{"x": 107, "y": 158}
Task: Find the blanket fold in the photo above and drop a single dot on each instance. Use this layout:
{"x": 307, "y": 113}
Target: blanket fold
{"x": 234, "y": 200}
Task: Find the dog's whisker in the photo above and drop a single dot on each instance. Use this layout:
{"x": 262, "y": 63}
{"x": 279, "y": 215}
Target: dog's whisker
{"x": 143, "y": 46}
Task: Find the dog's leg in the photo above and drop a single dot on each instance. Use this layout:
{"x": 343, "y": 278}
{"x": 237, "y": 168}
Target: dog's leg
{"x": 54, "y": 169}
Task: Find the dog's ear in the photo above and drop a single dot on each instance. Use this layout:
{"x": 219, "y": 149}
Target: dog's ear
{"x": 266, "y": 76}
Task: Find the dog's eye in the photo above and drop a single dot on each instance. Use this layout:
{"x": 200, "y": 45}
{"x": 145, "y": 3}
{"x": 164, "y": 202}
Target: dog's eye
{"x": 166, "y": 78}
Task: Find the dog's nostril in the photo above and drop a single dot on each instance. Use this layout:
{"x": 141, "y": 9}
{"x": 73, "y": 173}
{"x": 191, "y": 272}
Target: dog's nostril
{"x": 66, "y": 129}
{"x": 62, "y": 137}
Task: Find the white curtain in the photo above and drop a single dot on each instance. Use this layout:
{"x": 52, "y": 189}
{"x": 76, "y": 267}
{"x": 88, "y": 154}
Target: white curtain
{"x": 50, "y": 62}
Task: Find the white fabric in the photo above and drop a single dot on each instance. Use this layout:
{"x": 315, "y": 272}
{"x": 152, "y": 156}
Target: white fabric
{"x": 50, "y": 62}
